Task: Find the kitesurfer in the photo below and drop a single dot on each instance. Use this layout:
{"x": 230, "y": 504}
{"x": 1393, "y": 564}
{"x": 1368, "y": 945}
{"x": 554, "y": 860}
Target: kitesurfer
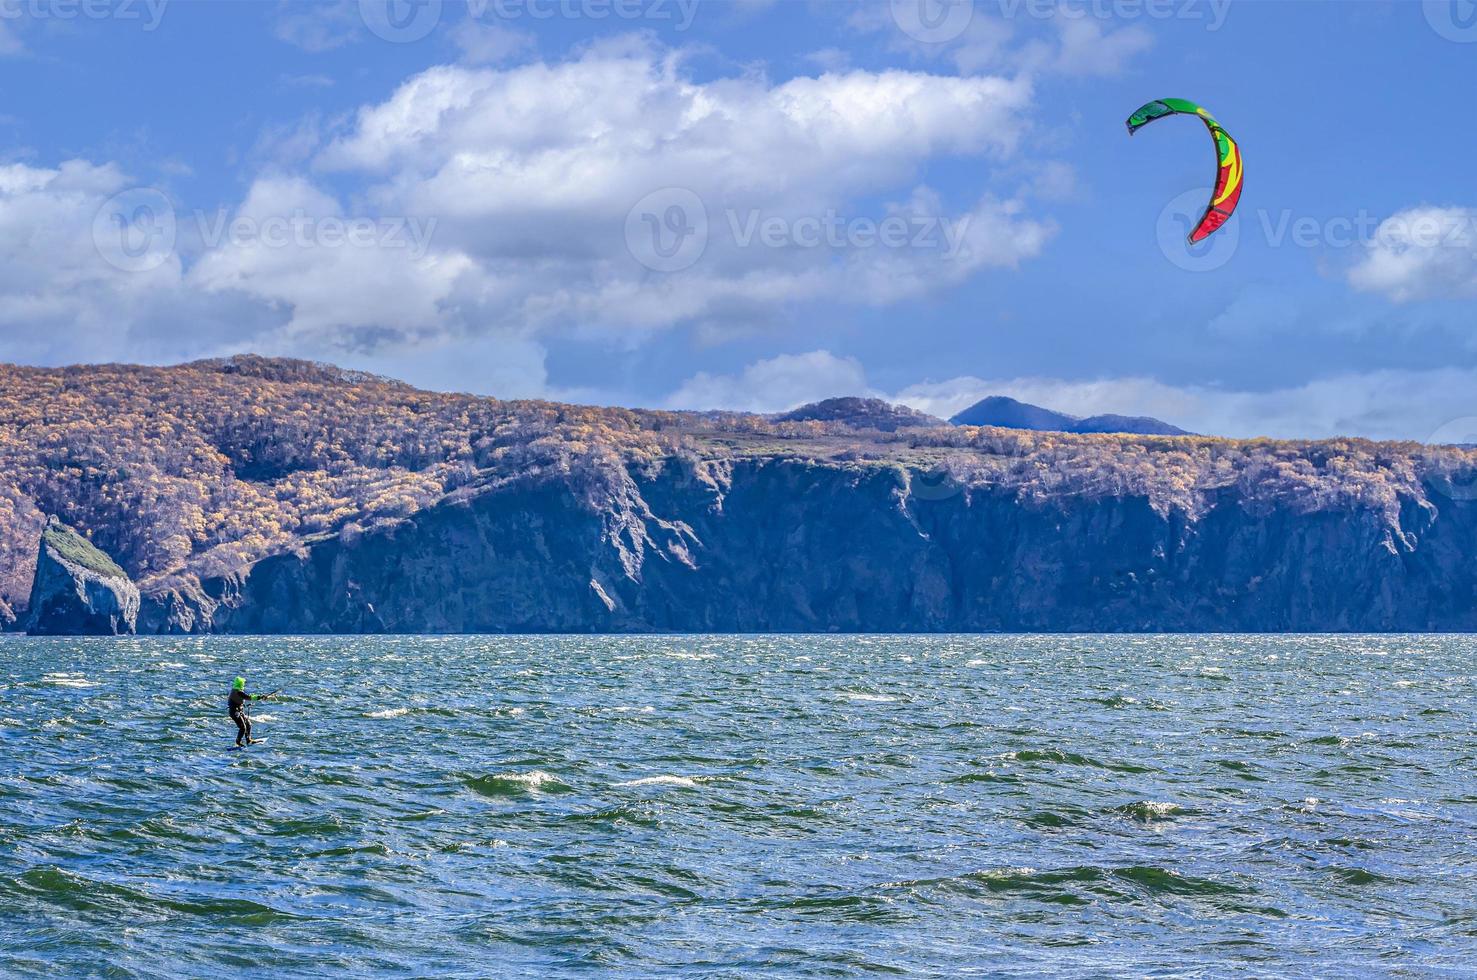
{"x": 237, "y": 707}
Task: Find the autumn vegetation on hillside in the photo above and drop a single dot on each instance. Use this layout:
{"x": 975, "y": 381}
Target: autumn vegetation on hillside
{"x": 205, "y": 467}
{"x": 200, "y": 469}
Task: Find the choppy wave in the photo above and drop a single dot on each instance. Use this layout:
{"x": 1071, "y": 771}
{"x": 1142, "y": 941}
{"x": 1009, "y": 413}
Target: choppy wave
{"x": 67, "y": 680}
{"x": 516, "y": 783}
{"x": 796, "y": 806}
{"x": 1148, "y": 811}
{"x": 686, "y": 782}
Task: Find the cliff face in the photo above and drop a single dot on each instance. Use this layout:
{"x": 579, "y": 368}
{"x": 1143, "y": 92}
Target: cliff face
{"x": 78, "y": 590}
{"x": 265, "y": 495}
{"x": 779, "y": 545}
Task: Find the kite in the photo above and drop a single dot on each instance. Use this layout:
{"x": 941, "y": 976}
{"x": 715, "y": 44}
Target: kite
{"x": 1228, "y": 157}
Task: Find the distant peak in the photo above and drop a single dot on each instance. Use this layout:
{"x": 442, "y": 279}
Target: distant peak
{"x": 288, "y": 369}
{"x": 862, "y": 413}
{"x": 1008, "y": 413}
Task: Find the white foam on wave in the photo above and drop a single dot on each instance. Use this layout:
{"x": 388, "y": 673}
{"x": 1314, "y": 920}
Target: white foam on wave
{"x": 1405, "y": 683}
{"x": 67, "y": 680}
{"x": 263, "y": 717}
{"x": 859, "y": 696}
{"x": 537, "y": 779}
{"x": 978, "y": 663}
{"x": 688, "y": 782}
{"x": 632, "y": 709}
{"x": 687, "y": 655}
{"x": 388, "y": 713}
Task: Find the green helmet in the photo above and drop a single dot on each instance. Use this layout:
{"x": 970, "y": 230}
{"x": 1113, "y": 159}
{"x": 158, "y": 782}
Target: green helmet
{"x": 239, "y": 684}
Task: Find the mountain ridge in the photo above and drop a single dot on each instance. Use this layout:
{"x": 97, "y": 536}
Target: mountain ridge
{"x": 289, "y": 498}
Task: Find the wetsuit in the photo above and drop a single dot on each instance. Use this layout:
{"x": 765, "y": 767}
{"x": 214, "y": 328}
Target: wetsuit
{"x": 238, "y": 715}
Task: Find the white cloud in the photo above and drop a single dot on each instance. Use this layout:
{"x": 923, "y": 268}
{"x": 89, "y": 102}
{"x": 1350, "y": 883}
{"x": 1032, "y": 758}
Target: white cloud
{"x": 623, "y": 120}
{"x": 528, "y": 175}
{"x": 1086, "y": 48}
{"x": 774, "y": 385}
{"x": 320, "y": 26}
{"x": 502, "y": 365}
{"x": 1421, "y": 253}
{"x": 53, "y": 280}
{"x": 64, "y": 297}
{"x": 986, "y": 44}
{"x": 289, "y": 146}
{"x": 1071, "y": 40}
{"x": 329, "y": 283}
{"x": 305, "y": 81}
{"x": 830, "y": 59}
{"x": 1054, "y": 180}
{"x": 489, "y": 44}
{"x": 533, "y": 170}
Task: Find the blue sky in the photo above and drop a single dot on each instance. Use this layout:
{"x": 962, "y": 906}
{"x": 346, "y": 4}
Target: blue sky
{"x": 465, "y": 196}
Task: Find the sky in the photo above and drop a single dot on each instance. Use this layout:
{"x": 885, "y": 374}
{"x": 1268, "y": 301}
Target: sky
{"x": 750, "y": 205}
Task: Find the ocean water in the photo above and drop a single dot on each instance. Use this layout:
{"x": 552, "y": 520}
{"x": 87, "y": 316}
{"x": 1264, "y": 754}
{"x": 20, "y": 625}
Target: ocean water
{"x": 741, "y": 806}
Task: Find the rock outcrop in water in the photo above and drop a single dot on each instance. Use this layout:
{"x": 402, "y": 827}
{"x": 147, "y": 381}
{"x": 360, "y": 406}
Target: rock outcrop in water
{"x": 79, "y": 591}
